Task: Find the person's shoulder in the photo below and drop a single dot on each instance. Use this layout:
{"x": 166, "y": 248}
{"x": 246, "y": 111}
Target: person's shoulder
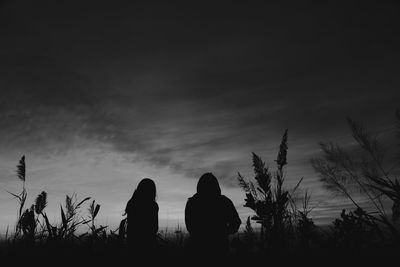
{"x": 226, "y": 200}
{"x": 192, "y": 198}
{"x": 192, "y": 201}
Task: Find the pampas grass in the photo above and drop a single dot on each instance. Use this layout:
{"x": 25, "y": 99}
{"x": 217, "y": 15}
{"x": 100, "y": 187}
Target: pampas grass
{"x": 286, "y": 232}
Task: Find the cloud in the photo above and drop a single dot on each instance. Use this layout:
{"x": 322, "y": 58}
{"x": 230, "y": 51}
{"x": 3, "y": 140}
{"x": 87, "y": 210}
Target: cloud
{"x": 188, "y": 92}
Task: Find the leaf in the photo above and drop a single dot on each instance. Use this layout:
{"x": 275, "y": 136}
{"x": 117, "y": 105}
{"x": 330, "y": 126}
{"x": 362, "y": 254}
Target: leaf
{"x": 63, "y": 218}
{"x": 297, "y": 185}
{"x": 83, "y": 235}
{"x": 23, "y": 199}
{"x": 96, "y": 210}
{"x": 16, "y": 196}
{"x": 91, "y": 209}
{"x": 80, "y": 203}
{"x": 84, "y": 222}
{"x": 48, "y": 225}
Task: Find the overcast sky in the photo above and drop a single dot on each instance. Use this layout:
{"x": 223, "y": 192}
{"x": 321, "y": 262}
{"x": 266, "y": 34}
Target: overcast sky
{"x": 99, "y": 94}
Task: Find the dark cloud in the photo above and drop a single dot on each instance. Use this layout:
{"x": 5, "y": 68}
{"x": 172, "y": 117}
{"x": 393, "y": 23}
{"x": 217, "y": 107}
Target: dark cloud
{"x": 191, "y": 87}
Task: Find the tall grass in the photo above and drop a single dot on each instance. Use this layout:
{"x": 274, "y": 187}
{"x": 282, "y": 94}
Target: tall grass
{"x": 285, "y": 224}
{"x": 274, "y": 206}
{"x": 21, "y": 197}
{"x": 367, "y": 171}
{"x": 33, "y": 224}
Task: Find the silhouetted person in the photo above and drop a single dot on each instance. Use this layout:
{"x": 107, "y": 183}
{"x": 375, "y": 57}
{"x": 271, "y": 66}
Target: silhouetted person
{"x": 142, "y": 211}
{"x": 210, "y": 217}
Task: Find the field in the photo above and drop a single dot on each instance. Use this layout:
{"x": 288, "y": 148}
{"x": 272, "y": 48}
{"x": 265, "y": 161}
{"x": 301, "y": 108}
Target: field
{"x": 286, "y": 233}
{"x": 244, "y": 250}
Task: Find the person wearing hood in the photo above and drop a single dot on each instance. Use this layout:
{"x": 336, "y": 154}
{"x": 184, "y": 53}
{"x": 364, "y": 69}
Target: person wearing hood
{"x": 210, "y": 218}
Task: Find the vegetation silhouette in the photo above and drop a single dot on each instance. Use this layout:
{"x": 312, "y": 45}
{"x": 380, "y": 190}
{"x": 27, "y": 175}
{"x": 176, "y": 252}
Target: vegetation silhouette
{"x": 369, "y": 170}
{"x": 210, "y": 217}
{"x": 282, "y": 222}
{"x": 286, "y": 232}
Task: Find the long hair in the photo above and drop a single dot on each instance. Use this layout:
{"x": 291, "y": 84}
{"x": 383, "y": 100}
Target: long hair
{"x": 144, "y": 192}
{"x": 208, "y": 185}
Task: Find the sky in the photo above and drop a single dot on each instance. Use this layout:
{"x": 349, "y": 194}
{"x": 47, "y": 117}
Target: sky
{"x": 100, "y": 94}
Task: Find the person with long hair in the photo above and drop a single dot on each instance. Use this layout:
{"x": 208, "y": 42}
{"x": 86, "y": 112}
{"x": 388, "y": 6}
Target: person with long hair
{"x": 210, "y": 218}
{"x": 142, "y": 217}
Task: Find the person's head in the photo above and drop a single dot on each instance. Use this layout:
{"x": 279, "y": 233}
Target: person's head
{"x": 208, "y": 185}
{"x": 146, "y": 190}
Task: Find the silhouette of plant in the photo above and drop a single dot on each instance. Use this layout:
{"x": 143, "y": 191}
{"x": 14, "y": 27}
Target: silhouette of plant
{"x": 249, "y": 229}
{"x": 306, "y": 230}
{"x": 282, "y": 223}
{"x": 260, "y": 199}
{"x": 271, "y": 204}
{"x": 40, "y": 205}
{"x": 21, "y": 174}
{"x": 367, "y": 172}
{"x": 27, "y": 224}
{"x": 32, "y": 227}
{"x": 70, "y": 220}
{"x": 354, "y": 229}
{"x": 249, "y": 234}
{"x": 93, "y": 211}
